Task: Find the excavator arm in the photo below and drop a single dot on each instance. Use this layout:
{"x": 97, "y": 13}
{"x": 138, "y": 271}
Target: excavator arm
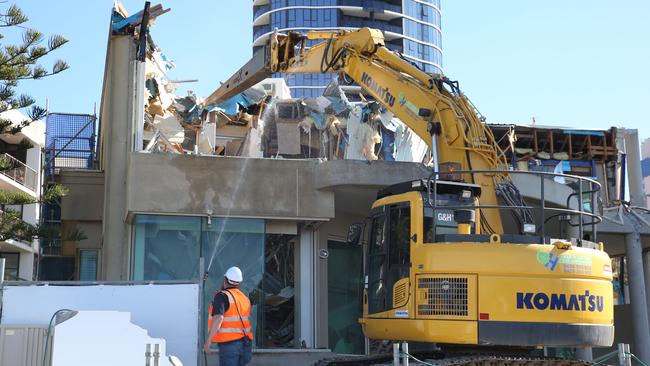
{"x": 429, "y": 104}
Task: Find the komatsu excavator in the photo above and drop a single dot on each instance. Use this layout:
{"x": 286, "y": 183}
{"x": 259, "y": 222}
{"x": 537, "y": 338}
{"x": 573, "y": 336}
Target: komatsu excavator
{"x": 459, "y": 258}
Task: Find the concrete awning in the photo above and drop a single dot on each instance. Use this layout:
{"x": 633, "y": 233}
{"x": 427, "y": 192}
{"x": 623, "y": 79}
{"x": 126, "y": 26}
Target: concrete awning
{"x": 12, "y": 245}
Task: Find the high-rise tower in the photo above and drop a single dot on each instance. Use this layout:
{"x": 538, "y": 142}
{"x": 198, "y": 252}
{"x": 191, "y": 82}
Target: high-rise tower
{"x": 410, "y": 26}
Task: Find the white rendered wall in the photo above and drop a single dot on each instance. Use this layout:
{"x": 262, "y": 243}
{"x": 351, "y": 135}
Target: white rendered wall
{"x": 30, "y": 213}
{"x": 26, "y": 266}
{"x": 165, "y": 311}
{"x": 104, "y": 338}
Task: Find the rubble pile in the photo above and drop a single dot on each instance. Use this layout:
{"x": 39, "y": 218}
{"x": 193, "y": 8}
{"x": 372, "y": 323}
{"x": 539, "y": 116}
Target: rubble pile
{"x": 264, "y": 121}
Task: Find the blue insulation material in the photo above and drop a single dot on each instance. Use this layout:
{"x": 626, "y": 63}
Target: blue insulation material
{"x": 231, "y": 106}
{"x": 585, "y": 132}
{"x": 319, "y": 119}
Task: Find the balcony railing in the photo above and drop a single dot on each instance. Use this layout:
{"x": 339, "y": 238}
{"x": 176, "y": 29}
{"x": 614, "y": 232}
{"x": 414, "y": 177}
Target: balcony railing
{"x": 355, "y": 22}
{"x": 374, "y": 5}
{"x": 348, "y": 22}
{"x": 51, "y": 246}
{"x": 261, "y": 30}
{"x": 20, "y": 173}
{"x": 259, "y": 10}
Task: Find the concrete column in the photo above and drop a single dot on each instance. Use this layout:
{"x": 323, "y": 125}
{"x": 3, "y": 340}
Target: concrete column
{"x": 118, "y": 108}
{"x": 641, "y": 329}
{"x": 305, "y": 284}
{"x": 584, "y": 353}
{"x": 635, "y": 180}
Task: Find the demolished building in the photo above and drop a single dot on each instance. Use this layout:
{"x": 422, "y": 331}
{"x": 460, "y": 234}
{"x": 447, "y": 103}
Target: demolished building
{"x": 264, "y": 121}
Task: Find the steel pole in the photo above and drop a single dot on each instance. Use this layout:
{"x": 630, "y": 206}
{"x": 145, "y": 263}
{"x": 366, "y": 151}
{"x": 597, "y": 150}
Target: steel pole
{"x": 405, "y": 354}
{"x": 2, "y": 270}
{"x": 396, "y": 354}
{"x": 634, "y": 257}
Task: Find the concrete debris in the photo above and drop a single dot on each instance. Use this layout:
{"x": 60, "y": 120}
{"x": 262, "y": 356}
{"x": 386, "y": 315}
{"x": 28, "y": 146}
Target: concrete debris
{"x": 409, "y": 146}
{"x": 160, "y": 143}
{"x": 263, "y": 121}
{"x": 369, "y": 138}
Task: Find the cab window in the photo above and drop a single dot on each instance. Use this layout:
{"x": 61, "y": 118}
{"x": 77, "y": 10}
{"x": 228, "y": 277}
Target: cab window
{"x": 389, "y": 254}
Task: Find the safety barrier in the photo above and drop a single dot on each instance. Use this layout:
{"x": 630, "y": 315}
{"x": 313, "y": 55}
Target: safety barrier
{"x": 581, "y": 208}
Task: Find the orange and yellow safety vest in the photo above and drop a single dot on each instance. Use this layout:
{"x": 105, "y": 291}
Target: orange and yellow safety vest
{"x": 236, "y": 321}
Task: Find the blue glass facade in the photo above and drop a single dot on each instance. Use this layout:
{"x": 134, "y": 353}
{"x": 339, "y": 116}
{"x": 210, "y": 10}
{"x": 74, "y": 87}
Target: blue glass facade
{"x": 645, "y": 167}
{"x": 410, "y": 26}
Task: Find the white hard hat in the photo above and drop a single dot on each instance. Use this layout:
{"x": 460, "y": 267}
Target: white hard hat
{"x": 233, "y": 274}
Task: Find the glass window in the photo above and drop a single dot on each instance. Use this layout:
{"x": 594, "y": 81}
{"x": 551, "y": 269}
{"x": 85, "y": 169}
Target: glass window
{"x": 230, "y": 242}
{"x": 376, "y": 266}
{"x": 388, "y": 255}
{"x": 343, "y": 285}
{"x": 88, "y": 265}
{"x": 399, "y": 258}
{"x": 170, "y": 248}
{"x": 279, "y": 288}
{"x": 12, "y": 266}
{"x": 166, "y": 248}
{"x": 400, "y": 234}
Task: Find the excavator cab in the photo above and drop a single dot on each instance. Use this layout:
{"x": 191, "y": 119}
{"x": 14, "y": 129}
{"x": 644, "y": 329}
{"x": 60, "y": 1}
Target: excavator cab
{"x": 459, "y": 198}
{"x": 431, "y": 275}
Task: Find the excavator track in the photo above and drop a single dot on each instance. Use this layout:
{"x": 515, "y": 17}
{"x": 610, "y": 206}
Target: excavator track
{"x": 386, "y": 360}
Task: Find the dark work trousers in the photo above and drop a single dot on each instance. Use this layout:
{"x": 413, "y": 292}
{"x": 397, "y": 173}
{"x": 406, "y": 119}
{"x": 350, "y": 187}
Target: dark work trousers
{"x": 235, "y": 353}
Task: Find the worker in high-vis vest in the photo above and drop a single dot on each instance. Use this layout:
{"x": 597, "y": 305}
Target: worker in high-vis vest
{"x": 229, "y": 322}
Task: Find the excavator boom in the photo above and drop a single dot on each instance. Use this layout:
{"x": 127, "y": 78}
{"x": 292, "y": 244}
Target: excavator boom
{"x": 430, "y": 105}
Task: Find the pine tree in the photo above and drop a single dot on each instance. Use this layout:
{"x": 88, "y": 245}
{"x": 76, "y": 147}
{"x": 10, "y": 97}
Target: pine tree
{"x": 18, "y": 62}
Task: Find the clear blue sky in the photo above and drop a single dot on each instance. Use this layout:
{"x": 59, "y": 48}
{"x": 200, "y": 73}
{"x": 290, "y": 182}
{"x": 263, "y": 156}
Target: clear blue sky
{"x": 582, "y": 63}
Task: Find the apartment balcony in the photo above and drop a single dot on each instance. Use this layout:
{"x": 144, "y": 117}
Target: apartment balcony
{"x": 259, "y": 10}
{"x": 19, "y": 255}
{"x": 391, "y": 31}
{"x": 259, "y": 31}
{"x": 374, "y": 5}
{"x": 357, "y": 22}
{"x": 380, "y": 10}
{"x": 16, "y": 176}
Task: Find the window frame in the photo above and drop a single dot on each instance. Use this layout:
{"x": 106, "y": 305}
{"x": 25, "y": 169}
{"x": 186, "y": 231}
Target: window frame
{"x": 17, "y": 268}
{"x": 384, "y": 275}
{"x": 80, "y": 253}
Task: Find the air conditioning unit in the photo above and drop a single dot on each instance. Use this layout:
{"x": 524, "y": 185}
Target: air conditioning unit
{"x": 23, "y": 345}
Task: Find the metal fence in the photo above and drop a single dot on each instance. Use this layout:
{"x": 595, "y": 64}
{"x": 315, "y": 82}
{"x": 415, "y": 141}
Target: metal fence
{"x": 70, "y": 142}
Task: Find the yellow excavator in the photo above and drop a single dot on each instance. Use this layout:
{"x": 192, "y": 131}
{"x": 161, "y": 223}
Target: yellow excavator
{"x": 459, "y": 258}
